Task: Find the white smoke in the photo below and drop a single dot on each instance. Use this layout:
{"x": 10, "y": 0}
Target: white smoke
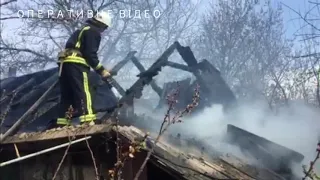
{"x": 296, "y": 127}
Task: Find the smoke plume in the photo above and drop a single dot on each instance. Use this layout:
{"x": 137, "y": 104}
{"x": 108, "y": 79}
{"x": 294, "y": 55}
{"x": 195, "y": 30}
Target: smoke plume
{"x": 296, "y": 127}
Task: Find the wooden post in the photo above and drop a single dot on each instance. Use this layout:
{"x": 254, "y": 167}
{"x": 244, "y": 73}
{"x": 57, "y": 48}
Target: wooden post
{"x": 17, "y": 150}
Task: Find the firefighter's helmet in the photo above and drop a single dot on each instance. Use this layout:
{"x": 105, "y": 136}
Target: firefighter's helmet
{"x": 103, "y": 17}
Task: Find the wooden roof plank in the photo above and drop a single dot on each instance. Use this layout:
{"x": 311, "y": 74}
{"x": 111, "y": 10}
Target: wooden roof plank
{"x": 217, "y": 169}
{"x": 245, "y": 167}
{"x": 57, "y": 133}
{"x": 228, "y": 170}
{"x": 222, "y": 167}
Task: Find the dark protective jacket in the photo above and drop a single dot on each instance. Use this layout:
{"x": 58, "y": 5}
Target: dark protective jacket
{"x": 88, "y": 38}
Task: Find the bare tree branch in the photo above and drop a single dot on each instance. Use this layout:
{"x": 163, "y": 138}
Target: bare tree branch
{"x": 27, "y": 50}
{"x": 7, "y": 2}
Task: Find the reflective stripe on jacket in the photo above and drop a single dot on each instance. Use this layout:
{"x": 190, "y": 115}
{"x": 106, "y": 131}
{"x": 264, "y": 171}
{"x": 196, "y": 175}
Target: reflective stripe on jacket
{"x": 74, "y": 58}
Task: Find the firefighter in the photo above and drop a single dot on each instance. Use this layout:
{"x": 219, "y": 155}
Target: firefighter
{"x": 75, "y": 60}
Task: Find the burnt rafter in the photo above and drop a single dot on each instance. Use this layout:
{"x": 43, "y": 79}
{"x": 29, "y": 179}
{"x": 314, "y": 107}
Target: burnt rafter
{"x": 146, "y": 76}
{"x": 153, "y": 84}
{"x": 37, "y": 91}
{"x": 213, "y": 86}
{"x": 201, "y": 71}
{"x": 135, "y": 91}
{"x": 20, "y": 88}
{"x": 197, "y": 69}
{"x": 116, "y": 69}
{"x": 179, "y": 66}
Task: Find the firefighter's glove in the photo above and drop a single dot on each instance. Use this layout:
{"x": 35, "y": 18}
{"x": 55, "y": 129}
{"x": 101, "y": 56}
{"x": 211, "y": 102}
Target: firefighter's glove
{"x": 105, "y": 74}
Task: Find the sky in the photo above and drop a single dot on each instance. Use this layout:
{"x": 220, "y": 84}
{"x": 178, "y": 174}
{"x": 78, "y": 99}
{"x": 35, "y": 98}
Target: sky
{"x": 289, "y": 17}
{"x": 291, "y": 25}
{"x": 290, "y": 22}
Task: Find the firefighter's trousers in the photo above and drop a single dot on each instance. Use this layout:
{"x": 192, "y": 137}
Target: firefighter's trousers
{"x": 76, "y": 98}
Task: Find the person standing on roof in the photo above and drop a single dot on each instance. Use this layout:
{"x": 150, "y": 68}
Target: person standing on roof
{"x": 74, "y": 66}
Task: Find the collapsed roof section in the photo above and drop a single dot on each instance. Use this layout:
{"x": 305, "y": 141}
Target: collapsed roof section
{"x": 22, "y": 92}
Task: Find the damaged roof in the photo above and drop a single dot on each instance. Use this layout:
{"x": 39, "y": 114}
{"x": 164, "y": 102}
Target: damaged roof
{"x": 166, "y": 156}
{"x": 20, "y": 93}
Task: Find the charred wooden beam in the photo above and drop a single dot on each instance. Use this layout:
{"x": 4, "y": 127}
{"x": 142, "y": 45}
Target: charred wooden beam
{"x": 153, "y": 84}
{"x": 137, "y": 63}
{"x": 272, "y": 155}
{"x": 186, "y": 54}
{"x": 218, "y": 83}
{"x": 209, "y": 78}
{"x": 205, "y": 65}
{"x": 155, "y": 68}
{"x": 179, "y": 66}
{"x": 37, "y": 91}
{"x": 135, "y": 91}
{"x": 5, "y": 82}
{"x": 189, "y": 58}
{"x": 19, "y": 89}
{"x": 41, "y": 114}
{"x": 45, "y": 84}
{"x": 119, "y": 65}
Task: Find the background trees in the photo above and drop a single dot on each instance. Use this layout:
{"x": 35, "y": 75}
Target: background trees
{"x": 245, "y": 40}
